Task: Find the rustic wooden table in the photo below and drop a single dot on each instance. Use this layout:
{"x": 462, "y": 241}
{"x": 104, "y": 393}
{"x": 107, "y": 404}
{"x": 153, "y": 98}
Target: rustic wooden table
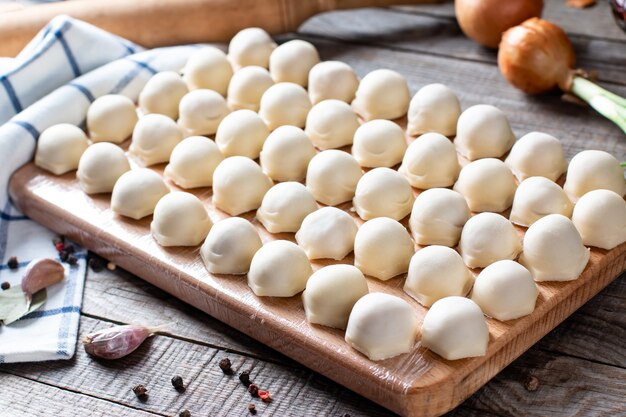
{"x": 578, "y": 369}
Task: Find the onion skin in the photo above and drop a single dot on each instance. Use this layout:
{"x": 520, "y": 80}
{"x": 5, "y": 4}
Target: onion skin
{"x": 485, "y": 20}
{"x": 536, "y": 57}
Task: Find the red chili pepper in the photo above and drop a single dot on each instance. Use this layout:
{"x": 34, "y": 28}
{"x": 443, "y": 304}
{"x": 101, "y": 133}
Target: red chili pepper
{"x": 264, "y": 395}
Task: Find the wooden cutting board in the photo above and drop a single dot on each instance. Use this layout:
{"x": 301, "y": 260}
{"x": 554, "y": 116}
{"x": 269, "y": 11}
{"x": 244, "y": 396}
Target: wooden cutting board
{"x": 419, "y": 383}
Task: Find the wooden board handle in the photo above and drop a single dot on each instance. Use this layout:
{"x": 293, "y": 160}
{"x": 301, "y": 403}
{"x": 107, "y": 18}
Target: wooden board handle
{"x": 153, "y": 23}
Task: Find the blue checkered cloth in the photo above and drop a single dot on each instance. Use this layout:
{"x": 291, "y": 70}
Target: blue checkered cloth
{"x": 41, "y": 87}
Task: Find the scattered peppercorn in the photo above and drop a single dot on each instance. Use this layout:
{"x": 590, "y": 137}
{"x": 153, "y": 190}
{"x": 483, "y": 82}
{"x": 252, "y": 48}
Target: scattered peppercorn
{"x": 13, "y": 262}
{"x": 252, "y": 409}
{"x": 96, "y": 264}
{"x": 111, "y": 266}
{"x": 72, "y": 260}
{"x": 531, "y": 384}
{"x": 70, "y": 248}
{"x": 59, "y": 246}
{"x": 184, "y": 413}
{"x": 5, "y": 285}
{"x": 226, "y": 366}
{"x": 140, "y": 391}
{"x": 253, "y": 389}
{"x": 265, "y": 396}
{"x": 244, "y": 377}
{"x": 63, "y": 256}
{"x": 177, "y": 382}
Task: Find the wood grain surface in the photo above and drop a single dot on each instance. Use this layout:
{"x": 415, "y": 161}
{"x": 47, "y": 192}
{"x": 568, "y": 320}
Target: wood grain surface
{"x": 567, "y": 366}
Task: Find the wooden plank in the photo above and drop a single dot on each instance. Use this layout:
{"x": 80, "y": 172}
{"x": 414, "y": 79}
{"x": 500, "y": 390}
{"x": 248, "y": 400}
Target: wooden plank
{"x": 594, "y": 22}
{"x": 25, "y": 397}
{"x": 442, "y": 36}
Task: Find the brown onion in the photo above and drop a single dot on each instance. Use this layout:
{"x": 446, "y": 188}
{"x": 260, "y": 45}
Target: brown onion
{"x": 485, "y": 20}
{"x": 537, "y": 56}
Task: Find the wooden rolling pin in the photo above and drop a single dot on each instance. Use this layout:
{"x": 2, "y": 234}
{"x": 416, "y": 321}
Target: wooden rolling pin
{"x": 152, "y": 23}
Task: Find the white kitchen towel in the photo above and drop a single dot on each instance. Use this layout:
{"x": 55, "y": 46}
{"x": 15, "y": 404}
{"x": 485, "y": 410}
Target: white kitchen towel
{"x": 50, "y": 333}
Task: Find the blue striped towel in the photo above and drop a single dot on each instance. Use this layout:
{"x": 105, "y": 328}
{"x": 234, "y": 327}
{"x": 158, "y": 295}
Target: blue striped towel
{"x": 44, "y": 85}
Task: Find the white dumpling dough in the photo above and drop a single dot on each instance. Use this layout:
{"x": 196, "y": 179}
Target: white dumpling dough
{"x": 327, "y": 233}
{"x": 332, "y": 80}
{"x": 279, "y": 269}
{"x": 243, "y": 133}
{"x": 553, "y": 250}
{"x": 436, "y": 272}
{"x": 381, "y": 326}
{"x": 111, "y": 118}
{"x": 430, "y": 162}
{"x": 537, "y": 197}
{"x": 487, "y": 238}
{"x": 455, "y": 328}
{"x": 208, "y": 68}
{"x": 600, "y": 218}
{"x": 137, "y": 192}
{"x": 154, "y": 138}
{"x": 162, "y": 94}
{"x": 505, "y": 290}
{"x": 438, "y": 216}
{"x": 594, "y": 170}
{"x": 487, "y": 185}
{"x": 378, "y": 143}
{"x": 180, "y": 219}
{"x": 483, "y": 131}
{"x": 247, "y": 87}
{"x": 332, "y": 177}
{"x": 434, "y": 108}
{"x": 537, "y": 154}
{"x": 201, "y": 112}
{"x": 250, "y": 46}
{"x": 292, "y": 61}
{"x": 100, "y": 166}
{"x": 284, "y": 104}
{"x": 330, "y": 294}
{"x": 331, "y": 124}
{"x": 382, "y": 94}
{"x": 239, "y": 185}
{"x": 230, "y": 246}
{"x": 60, "y": 147}
{"x": 285, "y": 206}
{"x": 286, "y": 154}
{"x": 383, "y": 192}
{"x": 193, "y": 162}
{"x": 382, "y": 248}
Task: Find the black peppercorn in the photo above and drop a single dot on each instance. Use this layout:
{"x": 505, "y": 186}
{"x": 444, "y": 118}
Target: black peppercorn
{"x": 225, "y": 366}
{"x": 63, "y": 256}
{"x": 70, "y": 248}
{"x": 252, "y": 409}
{"x": 177, "y": 382}
{"x": 184, "y": 413}
{"x": 244, "y": 377}
{"x": 5, "y": 285}
{"x": 72, "y": 260}
{"x": 140, "y": 391}
{"x": 96, "y": 264}
{"x": 253, "y": 389}
{"x": 13, "y": 263}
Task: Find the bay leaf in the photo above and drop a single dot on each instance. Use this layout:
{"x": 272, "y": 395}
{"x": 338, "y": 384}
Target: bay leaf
{"x": 14, "y": 304}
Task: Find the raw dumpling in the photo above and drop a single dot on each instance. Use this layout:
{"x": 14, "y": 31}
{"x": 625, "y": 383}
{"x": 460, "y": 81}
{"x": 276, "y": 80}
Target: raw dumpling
{"x": 242, "y": 133}
{"x": 383, "y": 192}
{"x": 239, "y": 185}
{"x": 279, "y": 269}
{"x": 292, "y": 61}
{"x": 487, "y": 185}
{"x": 201, "y": 111}
{"x": 332, "y": 80}
{"x": 332, "y": 177}
{"x": 327, "y": 233}
{"x": 230, "y": 246}
{"x": 162, "y": 94}
{"x": 331, "y": 293}
{"x": 537, "y": 154}
{"x": 434, "y": 108}
{"x": 382, "y": 248}
{"x": 430, "y": 162}
{"x": 208, "y": 68}
{"x": 600, "y": 218}
{"x": 286, "y": 154}
{"x": 60, "y": 147}
{"x": 180, "y": 219}
{"x": 100, "y": 166}
{"x": 378, "y": 143}
{"x": 537, "y": 197}
{"x": 438, "y": 216}
{"x": 381, "y": 326}
{"x": 285, "y": 206}
{"x": 382, "y": 94}
{"x": 247, "y": 87}
{"x": 137, "y": 192}
{"x": 487, "y": 238}
{"x": 553, "y": 250}
{"x": 436, "y": 272}
{"x": 483, "y": 131}
{"x": 331, "y": 124}
{"x": 594, "y": 170}
{"x": 250, "y": 46}
{"x": 111, "y": 118}
{"x": 154, "y": 138}
{"x": 284, "y": 104}
{"x": 193, "y": 162}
